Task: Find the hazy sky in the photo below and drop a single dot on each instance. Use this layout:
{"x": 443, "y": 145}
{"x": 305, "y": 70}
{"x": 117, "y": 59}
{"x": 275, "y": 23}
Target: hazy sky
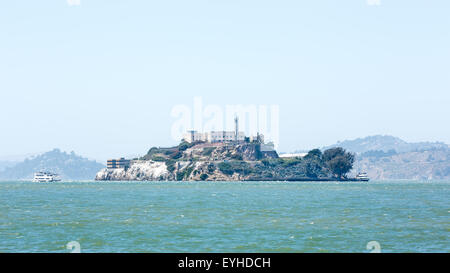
{"x": 102, "y": 77}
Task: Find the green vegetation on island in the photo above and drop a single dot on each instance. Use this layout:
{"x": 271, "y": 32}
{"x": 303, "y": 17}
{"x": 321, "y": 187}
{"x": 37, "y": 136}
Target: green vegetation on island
{"x": 233, "y": 162}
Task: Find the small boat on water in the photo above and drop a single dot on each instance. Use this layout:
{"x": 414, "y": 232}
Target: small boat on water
{"x": 362, "y": 177}
{"x": 46, "y": 177}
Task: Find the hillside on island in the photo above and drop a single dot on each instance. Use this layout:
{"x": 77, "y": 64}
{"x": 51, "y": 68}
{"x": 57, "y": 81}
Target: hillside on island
{"x": 68, "y": 165}
{"x": 230, "y": 162}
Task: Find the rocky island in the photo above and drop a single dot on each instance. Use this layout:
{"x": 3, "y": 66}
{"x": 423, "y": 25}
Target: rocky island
{"x": 229, "y": 161}
{"x": 228, "y": 156}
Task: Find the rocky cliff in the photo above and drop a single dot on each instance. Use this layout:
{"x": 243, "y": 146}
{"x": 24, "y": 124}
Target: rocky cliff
{"x": 139, "y": 170}
{"x": 222, "y": 162}
{"x": 202, "y": 161}
{"x": 163, "y": 171}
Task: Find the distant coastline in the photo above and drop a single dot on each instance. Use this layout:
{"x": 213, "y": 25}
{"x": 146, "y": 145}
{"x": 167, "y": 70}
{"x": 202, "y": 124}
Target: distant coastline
{"x": 382, "y": 157}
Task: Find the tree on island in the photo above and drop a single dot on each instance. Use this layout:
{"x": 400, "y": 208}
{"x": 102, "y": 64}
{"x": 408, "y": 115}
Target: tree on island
{"x": 338, "y": 161}
{"x": 314, "y": 165}
{"x": 315, "y": 153}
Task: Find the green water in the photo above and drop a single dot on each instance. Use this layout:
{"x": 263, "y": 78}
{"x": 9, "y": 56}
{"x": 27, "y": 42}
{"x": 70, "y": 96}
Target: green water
{"x": 401, "y": 216}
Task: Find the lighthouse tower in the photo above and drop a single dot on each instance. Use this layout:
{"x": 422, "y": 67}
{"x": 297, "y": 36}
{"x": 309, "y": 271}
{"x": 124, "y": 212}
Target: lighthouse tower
{"x": 236, "y": 128}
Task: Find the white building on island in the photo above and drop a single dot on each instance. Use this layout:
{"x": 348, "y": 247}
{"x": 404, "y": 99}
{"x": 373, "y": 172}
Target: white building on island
{"x": 225, "y": 136}
{"x": 216, "y": 136}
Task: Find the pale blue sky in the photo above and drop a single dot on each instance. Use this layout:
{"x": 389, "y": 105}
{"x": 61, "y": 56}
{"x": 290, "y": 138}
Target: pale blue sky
{"x": 101, "y": 78}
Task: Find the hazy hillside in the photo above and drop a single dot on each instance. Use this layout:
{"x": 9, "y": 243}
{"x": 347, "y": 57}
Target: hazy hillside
{"x": 386, "y": 143}
{"x": 5, "y": 164}
{"x": 69, "y": 166}
{"x": 424, "y": 165}
{"x": 388, "y": 157}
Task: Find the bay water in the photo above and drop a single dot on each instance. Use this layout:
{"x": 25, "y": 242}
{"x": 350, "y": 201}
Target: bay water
{"x": 397, "y": 216}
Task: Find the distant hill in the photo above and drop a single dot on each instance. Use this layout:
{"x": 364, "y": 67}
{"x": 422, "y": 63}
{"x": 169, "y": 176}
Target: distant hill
{"x": 433, "y": 164}
{"x": 68, "y": 165}
{"x": 5, "y": 164}
{"x": 386, "y": 144}
{"x": 388, "y": 157}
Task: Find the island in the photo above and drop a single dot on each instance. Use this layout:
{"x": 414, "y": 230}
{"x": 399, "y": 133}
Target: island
{"x": 229, "y": 156}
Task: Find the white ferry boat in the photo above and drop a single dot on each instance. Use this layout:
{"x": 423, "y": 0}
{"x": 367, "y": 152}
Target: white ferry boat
{"x": 46, "y": 177}
{"x": 362, "y": 177}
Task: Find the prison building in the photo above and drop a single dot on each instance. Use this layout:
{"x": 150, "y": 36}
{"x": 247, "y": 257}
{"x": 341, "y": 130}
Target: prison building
{"x": 120, "y": 163}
